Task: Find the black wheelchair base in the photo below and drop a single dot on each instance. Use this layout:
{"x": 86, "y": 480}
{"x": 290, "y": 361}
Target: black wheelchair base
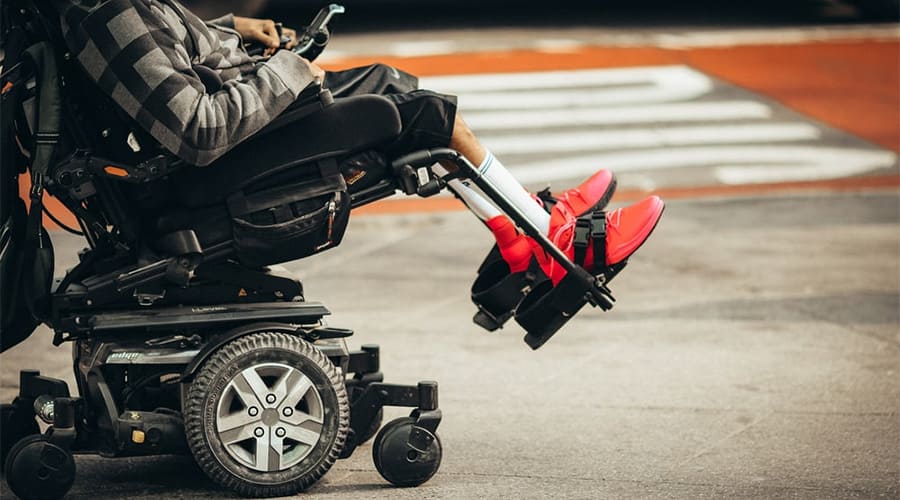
{"x": 121, "y": 413}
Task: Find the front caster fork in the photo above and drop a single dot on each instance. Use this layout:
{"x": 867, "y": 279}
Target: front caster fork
{"x": 426, "y": 415}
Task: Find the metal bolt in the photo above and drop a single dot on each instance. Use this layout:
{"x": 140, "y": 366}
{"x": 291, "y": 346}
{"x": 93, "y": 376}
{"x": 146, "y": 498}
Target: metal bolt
{"x": 288, "y": 411}
{"x": 280, "y": 432}
{"x": 270, "y": 398}
{"x": 259, "y": 432}
{"x": 253, "y": 411}
{"x": 105, "y": 132}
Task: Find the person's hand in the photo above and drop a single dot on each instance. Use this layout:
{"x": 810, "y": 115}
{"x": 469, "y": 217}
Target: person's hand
{"x": 262, "y": 31}
{"x": 292, "y": 34}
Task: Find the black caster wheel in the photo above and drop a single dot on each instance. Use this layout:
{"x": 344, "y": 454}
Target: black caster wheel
{"x": 267, "y": 415}
{"x": 15, "y": 424}
{"x": 39, "y": 469}
{"x": 397, "y": 461}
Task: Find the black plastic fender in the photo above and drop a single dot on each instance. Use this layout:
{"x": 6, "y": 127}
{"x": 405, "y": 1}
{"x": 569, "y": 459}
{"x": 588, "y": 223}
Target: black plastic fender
{"x": 218, "y": 341}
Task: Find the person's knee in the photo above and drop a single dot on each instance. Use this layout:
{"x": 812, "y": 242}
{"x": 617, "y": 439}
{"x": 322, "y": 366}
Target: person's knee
{"x": 461, "y": 131}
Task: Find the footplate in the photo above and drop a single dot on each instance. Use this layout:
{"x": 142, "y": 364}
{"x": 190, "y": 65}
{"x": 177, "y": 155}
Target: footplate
{"x": 547, "y": 308}
{"x": 539, "y": 306}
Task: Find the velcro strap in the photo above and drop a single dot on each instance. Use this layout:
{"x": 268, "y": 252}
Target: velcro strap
{"x": 582, "y": 238}
{"x": 598, "y": 237}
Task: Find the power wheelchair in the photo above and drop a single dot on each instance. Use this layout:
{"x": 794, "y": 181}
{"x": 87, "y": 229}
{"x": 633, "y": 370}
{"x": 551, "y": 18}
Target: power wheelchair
{"x": 187, "y": 337}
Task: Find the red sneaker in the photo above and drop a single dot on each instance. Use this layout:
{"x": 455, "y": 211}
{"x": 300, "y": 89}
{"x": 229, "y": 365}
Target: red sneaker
{"x": 626, "y": 230}
{"x": 593, "y": 193}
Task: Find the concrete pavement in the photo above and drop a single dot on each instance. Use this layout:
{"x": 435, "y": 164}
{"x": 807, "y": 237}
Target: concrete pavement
{"x": 754, "y": 352}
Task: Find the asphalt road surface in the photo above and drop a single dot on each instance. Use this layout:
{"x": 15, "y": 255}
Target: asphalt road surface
{"x": 754, "y": 351}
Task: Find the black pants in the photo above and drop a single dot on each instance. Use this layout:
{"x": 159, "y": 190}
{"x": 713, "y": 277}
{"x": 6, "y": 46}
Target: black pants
{"x": 426, "y": 117}
{"x": 426, "y": 122}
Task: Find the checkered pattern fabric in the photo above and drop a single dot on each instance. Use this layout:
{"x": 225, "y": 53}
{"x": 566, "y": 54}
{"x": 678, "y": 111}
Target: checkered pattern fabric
{"x": 144, "y": 54}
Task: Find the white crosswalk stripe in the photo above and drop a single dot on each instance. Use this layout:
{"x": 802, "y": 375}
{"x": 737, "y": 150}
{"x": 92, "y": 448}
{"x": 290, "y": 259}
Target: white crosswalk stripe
{"x": 564, "y": 125}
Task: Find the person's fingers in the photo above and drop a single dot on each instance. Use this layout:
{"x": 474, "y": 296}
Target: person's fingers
{"x": 292, "y": 34}
{"x": 270, "y": 33}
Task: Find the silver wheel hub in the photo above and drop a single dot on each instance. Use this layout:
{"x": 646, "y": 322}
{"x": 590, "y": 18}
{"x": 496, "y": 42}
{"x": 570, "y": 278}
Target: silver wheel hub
{"x": 269, "y": 417}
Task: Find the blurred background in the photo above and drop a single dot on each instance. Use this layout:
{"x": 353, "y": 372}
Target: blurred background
{"x": 389, "y": 14}
{"x": 754, "y": 351}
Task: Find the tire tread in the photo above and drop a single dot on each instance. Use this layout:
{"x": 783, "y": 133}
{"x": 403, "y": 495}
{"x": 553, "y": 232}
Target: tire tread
{"x": 216, "y": 363}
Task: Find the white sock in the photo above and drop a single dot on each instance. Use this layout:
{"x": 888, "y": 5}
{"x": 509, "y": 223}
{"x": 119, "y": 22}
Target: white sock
{"x": 479, "y": 206}
{"x": 496, "y": 174}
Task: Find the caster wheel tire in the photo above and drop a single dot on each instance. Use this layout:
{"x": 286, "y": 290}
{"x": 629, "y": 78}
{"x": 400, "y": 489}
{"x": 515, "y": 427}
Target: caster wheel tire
{"x": 15, "y": 424}
{"x": 266, "y": 415}
{"x": 39, "y": 469}
{"x": 398, "y": 462}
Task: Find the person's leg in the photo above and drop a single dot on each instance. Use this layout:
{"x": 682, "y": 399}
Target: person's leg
{"x": 464, "y": 141}
{"x": 627, "y": 228}
{"x": 429, "y": 120}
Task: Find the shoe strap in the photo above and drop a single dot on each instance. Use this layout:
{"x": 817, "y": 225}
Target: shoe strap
{"x": 590, "y": 230}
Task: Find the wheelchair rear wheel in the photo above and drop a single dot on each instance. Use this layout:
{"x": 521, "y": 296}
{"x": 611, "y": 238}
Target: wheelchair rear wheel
{"x": 267, "y": 415}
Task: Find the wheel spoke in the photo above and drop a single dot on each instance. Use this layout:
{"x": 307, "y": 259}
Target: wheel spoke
{"x": 276, "y": 450}
{"x": 307, "y": 434}
{"x": 288, "y": 380}
{"x": 249, "y": 385}
{"x": 297, "y": 390}
{"x": 300, "y": 417}
{"x": 235, "y": 420}
{"x": 237, "y": 434}
{"x": 261, "y": 457}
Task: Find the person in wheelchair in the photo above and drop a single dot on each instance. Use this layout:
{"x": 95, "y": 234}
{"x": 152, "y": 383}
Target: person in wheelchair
{"x": 193, "y": 168}
{"x": 196, "y": 90}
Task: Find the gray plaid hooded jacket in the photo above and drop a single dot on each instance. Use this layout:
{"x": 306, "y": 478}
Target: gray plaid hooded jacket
{"x": 143, "y": 54}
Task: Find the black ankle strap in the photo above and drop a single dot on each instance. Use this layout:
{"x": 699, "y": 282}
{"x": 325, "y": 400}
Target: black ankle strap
{"x": 590, "y": 229}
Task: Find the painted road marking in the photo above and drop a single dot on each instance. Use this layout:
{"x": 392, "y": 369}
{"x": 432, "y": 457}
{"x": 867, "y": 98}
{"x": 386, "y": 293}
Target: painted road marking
{"x": 731, "y": 164}
{"x": 461, "y": 41}
{"x": 580, "y": 141}
{"x": 657, "y": 121}
{"x": 587, "y": 116}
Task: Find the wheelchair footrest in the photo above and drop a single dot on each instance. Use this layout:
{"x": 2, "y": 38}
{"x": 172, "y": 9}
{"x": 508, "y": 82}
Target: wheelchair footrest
{"x": 547, "y": 308}
{"x": 537, "y": 305}
{"x": 497, "y": 292}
